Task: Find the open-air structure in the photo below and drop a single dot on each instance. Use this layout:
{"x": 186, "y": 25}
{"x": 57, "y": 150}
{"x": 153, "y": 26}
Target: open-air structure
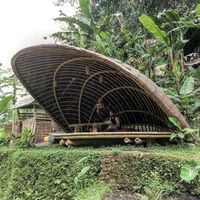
{"x": 77, "y": 88}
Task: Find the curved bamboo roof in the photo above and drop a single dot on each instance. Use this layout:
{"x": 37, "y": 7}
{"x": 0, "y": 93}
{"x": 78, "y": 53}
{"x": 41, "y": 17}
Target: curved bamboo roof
{"x": 68, "y": 81}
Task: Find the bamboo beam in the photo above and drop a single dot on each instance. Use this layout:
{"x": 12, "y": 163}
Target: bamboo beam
{"x": 113, "y": 136}
{"x": 116, "y": 135}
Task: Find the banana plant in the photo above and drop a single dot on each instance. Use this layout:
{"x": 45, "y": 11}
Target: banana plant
{"x": 5, "y": 110}
{"x": 82, "y": 29}
{"x": 183, "y": 134}
{"x": 187, "y": 97}
{"x": 187, "y": 93}
{"x": 10, "y": 88}
{"x": 170, "y": 35}
{"x": 5, "y": 103}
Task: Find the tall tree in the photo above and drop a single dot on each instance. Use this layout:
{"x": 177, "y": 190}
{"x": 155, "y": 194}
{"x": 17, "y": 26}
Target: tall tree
{"x": 10, "y": 90}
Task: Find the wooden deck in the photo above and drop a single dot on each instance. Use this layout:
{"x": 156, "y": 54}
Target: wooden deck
{"x": 111, "y": 135}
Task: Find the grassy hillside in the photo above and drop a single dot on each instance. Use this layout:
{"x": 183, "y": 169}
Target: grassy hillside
{"x": 61, "y": 173}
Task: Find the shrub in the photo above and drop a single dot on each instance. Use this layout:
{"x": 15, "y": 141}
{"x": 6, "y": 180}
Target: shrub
{"x": 59, "y": 173}
{"x": 3, "y": 138}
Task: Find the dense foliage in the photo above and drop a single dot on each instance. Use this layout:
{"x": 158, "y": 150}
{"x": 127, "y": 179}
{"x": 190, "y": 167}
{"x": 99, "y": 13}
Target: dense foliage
{"x": 46, "y": 174}
{"x": 64, "y": 174}
{"x": 10, "y": 90}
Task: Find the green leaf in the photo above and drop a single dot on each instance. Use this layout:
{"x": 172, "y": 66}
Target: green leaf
{"x": 180, "y": 44}
{"x": 190, "y": 24}
{"x": 173, "y": 136}
{"x": 83, "y": 159}
{"x": 150, "y": 25}
{"x": 85, "y": 8}
{"x": 188, "y": 86}
{"x": 4, "y": 103}
{"x": 84, "y": 171}
{"x": 175, "y": 122}
{"x": 189, "y": 172}
{"x": 58, "y": 181}
{"x": 195, "y": 107}
{"x": 197, "y": 10}
{"x": 190, "y": 130}
{"x": 198, "y": 167}
{"x": 103, "y": 35}
{"x": 81, "y": 173}
{"x": 196, "y": 91}
{"x": 181, "y": 135}
{"x": 82, "y": 22}
{"x": 172, "y": 15}
{"x": 100, "y": 44}
{"x": 198, "y": 73}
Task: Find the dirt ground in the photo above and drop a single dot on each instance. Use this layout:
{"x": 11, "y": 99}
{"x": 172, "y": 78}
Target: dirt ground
{"x": 123, "y": 195}
{"x": 183, "y": 197}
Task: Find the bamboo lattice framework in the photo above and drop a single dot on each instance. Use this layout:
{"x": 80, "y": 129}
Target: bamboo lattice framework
{"x": 68, "y": 82}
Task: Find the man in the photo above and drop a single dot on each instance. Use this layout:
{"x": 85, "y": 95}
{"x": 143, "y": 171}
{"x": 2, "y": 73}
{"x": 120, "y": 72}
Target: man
{"x": 114, "y": 122}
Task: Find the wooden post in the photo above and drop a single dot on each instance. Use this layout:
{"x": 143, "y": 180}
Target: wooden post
{"x": 138, "y": 141}
{"x": 62, "y": 142}
{"x": 77, "y": 128}
{"x": 128, "y": 140}
{"x": 34, "y": 122}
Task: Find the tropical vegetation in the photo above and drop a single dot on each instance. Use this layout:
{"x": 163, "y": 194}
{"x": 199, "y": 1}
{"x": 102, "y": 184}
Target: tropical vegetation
{"x": 89, "y": 173}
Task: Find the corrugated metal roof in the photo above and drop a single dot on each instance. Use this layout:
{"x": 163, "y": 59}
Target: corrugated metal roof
{"x": 25, "y": 102}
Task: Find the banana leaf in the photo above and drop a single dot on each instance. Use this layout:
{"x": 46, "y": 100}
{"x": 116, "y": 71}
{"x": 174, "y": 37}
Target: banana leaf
{"x": 197, "y": 10}
{"x": 4, "y": 103}
{"x": 187, "y": 87}
{"x": 150, "y": 25}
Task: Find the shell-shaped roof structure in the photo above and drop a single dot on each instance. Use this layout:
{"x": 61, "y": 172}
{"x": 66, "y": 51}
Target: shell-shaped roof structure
{"x": 68, "y": 82}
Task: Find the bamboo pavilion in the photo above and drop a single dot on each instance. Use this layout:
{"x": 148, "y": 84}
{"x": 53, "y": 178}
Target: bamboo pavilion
{"x": 77, "y": 88}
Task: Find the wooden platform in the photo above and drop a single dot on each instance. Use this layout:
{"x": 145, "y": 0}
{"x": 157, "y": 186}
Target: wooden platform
{"x": 102, "y": 135}
{"x": 109, "y": 138}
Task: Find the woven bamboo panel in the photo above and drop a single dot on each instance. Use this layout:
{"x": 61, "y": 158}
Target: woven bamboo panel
{"x": 7, "y": 127}
{"x": 28, "y": 124}
{"x": 16, "y": 128}
{"x": 67, "y": 82}
{"x": 41, "y": 126}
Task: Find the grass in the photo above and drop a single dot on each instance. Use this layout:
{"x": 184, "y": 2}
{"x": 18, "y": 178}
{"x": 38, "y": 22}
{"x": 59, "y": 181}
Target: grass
{"x": 187, "y": 153}
{"x": 95, "y": 191}
{"x": 61, "y": 172}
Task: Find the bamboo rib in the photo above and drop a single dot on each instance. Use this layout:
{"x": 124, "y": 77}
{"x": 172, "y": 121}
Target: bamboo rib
{"x": 83, "y": 86}
{"x": 93, "y": 92}
{"x": 54, "y": 87}
{"x": 113, "y": 90}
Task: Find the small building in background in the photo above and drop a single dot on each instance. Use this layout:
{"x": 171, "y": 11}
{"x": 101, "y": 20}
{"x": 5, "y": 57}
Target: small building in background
{"x": 31, "y": 116}
{"x": 191, "y": 49}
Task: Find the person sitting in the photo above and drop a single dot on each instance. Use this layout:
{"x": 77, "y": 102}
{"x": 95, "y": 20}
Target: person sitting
{"x": 99, "y": 105}
{"x": 113, "y": 122}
